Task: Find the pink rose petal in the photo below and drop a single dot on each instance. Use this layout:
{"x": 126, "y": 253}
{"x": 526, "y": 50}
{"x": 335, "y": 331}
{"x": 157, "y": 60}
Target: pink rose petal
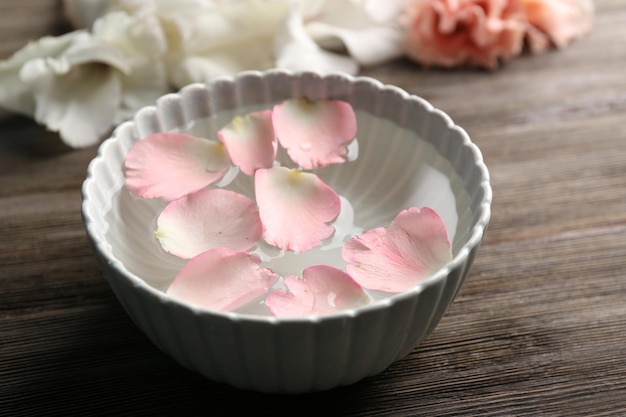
{"x": 222, "y": 279}
{"x": 208, "y": 219}
{"x": 396, "y": 258}
{"x": 315, "y": 133}
{"x": 295, "y": 208}
{"x": 322, "y": 290}
{"x": 250, "y": 141}
{"x": 170, "y": 165}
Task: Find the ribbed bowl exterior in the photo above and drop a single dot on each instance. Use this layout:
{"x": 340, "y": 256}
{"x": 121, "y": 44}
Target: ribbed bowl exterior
{"x": 286, "y": 355}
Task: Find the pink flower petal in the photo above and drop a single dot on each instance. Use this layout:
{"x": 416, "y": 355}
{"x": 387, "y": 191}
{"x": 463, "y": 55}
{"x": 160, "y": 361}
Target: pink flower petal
{"x": 170, "y": 165}
{"x": 250, "y": 141}
{"x": 322, "y": 290}
{"x": 222, "y": 279}
{"x": 395, "y": 258}
{"x": 315, "y": 133}
{"x": 208, "y": 219}
{"x": 295, "y": 208}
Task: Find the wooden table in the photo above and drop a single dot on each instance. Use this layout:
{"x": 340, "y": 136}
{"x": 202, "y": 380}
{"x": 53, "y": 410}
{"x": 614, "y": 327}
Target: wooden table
{"x": 538, "y": 329}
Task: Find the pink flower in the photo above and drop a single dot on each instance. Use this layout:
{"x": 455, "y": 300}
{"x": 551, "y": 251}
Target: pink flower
{"x": 170, "y": 165}
{"x": 206, "y": 219}
{"x": 453, "y": 33}
{"x": 250, "y": 141}
{"x": 556, "y": 22}
{"x": 295, "y": 208}
{"x": 395, "y": 258}
{"x": 222, "y": 279}
{"x": 321, "y": 290}
{"x": 315, "y": 133}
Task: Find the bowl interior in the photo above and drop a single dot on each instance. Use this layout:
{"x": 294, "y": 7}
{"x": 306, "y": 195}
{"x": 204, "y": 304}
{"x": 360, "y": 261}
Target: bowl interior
{"x": 406, "y": 154}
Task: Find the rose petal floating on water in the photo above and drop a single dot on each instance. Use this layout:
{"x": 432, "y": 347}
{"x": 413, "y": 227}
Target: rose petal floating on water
{"x": 208, "y": 219}
{"x": 222, "y": 279}
{"x": 250, "y": 141}
{"x": 322, "y": 290}
{"x": 315, "y": 133}
{"x": 295, "y": 208}
{"x": 396, "y": 258}
{"x": 170, "y": 165}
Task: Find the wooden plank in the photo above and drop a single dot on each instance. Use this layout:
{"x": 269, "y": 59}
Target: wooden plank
{"x": 22, "y": 21}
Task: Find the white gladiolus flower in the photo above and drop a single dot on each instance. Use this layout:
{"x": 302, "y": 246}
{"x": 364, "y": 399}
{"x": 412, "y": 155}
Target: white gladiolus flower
{"x": 205, "y": 38}
{"x": 82, "y": 83}
{"x": 367, "y": 30}
{"x": 222, "y": 39}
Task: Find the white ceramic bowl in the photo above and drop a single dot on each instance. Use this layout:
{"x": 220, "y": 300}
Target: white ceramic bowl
{"x": 410, "y": 154}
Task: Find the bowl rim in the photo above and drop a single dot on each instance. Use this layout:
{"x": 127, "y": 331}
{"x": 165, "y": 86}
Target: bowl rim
{"x": 102, "y": 248}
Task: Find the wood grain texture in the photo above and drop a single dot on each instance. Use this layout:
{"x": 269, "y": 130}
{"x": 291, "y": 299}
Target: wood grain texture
{"x": 539, "y": 328}
{"x": 22, "y": 21}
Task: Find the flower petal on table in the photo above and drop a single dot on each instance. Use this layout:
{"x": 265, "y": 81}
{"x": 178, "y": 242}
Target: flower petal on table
{"x": 322, "y": 290}
{"x": 222, "y": 279}
{"x": 295, "y": 208}
{"x": 208, "y": 219}
{"x": 250, "y": 141}
{"x": 315, "y": 133}
{"x": 170, "y": 165}
{"x": 396, "y": 258}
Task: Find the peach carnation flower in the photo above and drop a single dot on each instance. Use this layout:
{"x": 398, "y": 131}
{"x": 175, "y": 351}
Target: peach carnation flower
{"x": 453, "y": 33}
{"x": 556, "y": 22}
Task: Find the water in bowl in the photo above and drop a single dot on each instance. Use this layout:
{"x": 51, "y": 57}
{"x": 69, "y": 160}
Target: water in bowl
{"x": 389, "y": 169}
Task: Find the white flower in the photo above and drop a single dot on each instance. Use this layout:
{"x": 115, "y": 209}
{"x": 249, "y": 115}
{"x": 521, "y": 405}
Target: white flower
{"x": 367, "y": 30}
{"x": 295, "y": 49}
{"x": 216, "y": 37}
{"x": 81, "y": 84}
{"x": 84, "y": 13}
{"x": 211, "y": 40}
{"x": 205, "y": 38}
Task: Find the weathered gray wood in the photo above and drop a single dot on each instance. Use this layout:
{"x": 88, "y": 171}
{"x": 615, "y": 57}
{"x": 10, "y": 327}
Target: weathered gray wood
{"x": 538, "y": 329}
{"x": 25, "y": 20}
